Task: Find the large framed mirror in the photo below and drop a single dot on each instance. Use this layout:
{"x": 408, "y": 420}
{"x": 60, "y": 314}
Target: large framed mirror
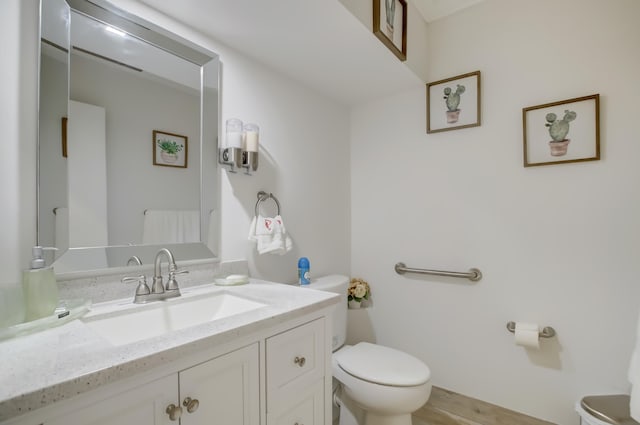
{"x": 128, "y": 128}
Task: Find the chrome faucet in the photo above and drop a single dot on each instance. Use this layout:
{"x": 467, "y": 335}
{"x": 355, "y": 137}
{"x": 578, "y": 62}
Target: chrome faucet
{"x": 172, "y": 286}
{"x": 134, "y": 261}
{"x": 158, "y": 291}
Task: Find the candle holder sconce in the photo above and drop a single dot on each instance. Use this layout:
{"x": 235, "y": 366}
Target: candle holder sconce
{"x": 232, "y": 157}
{"x": 236, "y": 158}
{"x": 241, "y": 150}
{"x": 249, "y": 161}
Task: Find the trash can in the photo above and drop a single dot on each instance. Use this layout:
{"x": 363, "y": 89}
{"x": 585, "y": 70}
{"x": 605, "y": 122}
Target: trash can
{"x": 605, "y": 410}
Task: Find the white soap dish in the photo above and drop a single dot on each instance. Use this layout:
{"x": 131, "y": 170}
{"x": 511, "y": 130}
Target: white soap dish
{"x": 233, "y": 279}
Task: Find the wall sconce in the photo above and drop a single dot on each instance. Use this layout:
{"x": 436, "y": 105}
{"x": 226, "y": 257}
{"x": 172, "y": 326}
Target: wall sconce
{"x": 240, "y": 146}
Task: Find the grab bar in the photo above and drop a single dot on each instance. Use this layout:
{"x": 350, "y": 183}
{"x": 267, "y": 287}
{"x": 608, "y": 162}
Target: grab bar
{"x": 473, "y": 275}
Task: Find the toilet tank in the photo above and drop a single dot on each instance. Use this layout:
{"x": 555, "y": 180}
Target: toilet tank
{"x": 338, "y": 284}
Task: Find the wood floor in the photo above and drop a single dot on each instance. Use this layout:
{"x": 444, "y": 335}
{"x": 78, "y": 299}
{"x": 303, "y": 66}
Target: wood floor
{"x": 448, "y": 408}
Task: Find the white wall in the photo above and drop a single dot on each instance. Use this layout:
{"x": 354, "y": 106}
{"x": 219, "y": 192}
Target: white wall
{"x": 135, "y": 106}
{"x": 558, "y": 245}
{"x": 53, "y": 168}
{"x": 87, "y": 174}
{"x": 18, "y": 114}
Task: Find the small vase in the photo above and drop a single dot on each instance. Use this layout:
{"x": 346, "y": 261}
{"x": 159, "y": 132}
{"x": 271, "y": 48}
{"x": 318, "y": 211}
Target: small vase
{"x": 452, "y": 116}
{"x": 353, "y": 304}
{"x": 559, "y": 148}
{"x": 169, "y": 157}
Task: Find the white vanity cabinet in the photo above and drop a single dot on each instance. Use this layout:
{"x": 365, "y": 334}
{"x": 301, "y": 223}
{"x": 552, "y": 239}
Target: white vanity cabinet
{"x": 225, "y": 388}
{"x": 296, "y": 363}
{"x": 278, "y": 376}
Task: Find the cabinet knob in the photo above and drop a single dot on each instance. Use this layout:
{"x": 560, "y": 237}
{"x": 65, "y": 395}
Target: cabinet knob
{"x": 174, "y": 412}
{"x": 191, "y": 404}
{"x": 300, "y": 361}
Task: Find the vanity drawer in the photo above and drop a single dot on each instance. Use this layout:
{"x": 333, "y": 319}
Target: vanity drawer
{"x": 295, "y": 360}
{"x": 307, "y": 408}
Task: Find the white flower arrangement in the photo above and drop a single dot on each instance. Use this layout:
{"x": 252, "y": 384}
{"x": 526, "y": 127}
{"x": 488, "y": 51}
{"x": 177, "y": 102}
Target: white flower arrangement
{"x": 358, "y": 290}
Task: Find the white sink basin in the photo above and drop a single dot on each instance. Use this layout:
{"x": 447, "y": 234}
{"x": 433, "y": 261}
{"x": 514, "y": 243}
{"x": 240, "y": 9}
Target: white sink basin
{"x": 137, "y": 324}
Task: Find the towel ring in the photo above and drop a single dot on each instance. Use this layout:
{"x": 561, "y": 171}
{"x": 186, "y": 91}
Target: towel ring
{"x": 263, "y": 196}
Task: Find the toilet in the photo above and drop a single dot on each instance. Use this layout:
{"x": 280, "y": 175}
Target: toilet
{"x": 373, "y": 384}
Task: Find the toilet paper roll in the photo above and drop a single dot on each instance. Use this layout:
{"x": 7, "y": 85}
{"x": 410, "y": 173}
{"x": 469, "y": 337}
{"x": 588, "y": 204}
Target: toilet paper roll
{"x": 527, "y": 335}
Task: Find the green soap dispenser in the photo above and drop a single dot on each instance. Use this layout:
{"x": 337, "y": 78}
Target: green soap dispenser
{"x": 39, "y": 287}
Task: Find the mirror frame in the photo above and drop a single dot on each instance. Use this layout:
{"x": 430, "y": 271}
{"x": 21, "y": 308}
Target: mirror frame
{"x": 158, "y": 37}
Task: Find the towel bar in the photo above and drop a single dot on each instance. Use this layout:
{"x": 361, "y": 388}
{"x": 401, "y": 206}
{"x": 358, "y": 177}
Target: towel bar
{"x": 263, "y": 196}
{"x": 473, "y": 275}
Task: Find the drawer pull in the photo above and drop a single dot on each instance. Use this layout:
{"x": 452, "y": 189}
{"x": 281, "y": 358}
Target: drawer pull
{"x": 298, "y": 423}
{"x": 191, "y": 404}
{"x": 300, "y": 361}
{"x": 174, "y": 412}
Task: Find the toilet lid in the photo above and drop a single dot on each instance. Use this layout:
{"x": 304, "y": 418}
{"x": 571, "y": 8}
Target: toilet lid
{"x": 383, "y": 365}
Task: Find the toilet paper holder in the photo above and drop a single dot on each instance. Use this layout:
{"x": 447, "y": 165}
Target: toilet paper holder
{"x": 546, "y": 332}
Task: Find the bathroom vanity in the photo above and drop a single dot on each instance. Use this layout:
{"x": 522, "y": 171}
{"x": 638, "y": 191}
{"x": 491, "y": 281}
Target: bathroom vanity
{"x": 263, "y": 358}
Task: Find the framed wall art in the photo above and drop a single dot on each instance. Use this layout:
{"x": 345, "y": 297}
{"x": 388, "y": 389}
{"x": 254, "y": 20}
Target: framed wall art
{"x": 169, "y": 150}
{"x": 64, "y": 136}
{"x": 453, "y": 103}
{"x": 561, "y": 132}
{"x": 390, "y": 25}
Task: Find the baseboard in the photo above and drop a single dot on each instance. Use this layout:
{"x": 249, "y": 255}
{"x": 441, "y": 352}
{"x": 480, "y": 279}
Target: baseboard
{"x": 449, "y": 408}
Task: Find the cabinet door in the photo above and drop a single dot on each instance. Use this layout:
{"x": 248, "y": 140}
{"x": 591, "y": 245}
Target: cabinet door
{"x": 308, "y": 409}
{"x": 226, "y": 389}
{"x": 144, "y": 405}
{"x": 295, "y": 361}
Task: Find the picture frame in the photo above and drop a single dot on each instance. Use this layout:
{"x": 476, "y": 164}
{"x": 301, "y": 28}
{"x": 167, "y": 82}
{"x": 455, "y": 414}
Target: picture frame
{"x": 454, "y": 103}
{"x": 562, "y": 132}
{"x": 169, "y": 149}
{"x": 390, "y": 25}
{"x": 63, "y": 136}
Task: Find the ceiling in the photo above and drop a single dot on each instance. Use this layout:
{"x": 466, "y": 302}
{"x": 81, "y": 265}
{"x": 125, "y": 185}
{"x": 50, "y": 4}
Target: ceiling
{"x": 432, "y": 10}
{"x": 318, "y": 43}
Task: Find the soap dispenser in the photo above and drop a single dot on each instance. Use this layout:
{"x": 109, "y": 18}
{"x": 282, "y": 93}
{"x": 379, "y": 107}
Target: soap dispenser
{"x": 39, "y": 287}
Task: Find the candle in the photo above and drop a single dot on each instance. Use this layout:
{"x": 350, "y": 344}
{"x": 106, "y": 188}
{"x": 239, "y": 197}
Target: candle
{"x": 234, "y": 139}
{"x": 251, "y": 132}
{"x": 234, "y": 133}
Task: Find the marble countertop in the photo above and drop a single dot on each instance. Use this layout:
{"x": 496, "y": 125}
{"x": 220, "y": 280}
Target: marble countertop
{"x": 58, "y": 363}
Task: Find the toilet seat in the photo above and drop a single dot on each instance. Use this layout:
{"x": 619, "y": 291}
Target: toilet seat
{"x": 382, "y": 365}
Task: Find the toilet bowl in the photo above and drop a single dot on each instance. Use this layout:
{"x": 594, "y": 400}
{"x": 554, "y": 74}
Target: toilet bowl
{"x": 378, "y": 385}
{"x": 387, "y": 384}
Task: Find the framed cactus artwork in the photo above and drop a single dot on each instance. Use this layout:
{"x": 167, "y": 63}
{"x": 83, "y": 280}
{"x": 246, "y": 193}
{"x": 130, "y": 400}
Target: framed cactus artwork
{"x": 169, "y": 150}
{"x": 390, "y": 25}
{"x": 453, "y": 103}
{"x": 561, "y": 132}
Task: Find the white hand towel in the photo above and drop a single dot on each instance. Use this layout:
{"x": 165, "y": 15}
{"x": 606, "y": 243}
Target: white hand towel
{"x": 270, "y": 235}
{"x": 171, "y": 226}
{"x": 285, "y": 241}
{"x": 634, "y": 377}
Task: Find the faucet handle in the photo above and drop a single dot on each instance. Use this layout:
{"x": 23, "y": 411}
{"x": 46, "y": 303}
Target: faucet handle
{"x": 143, "y": 288}
{"x": 172, "y": 283}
